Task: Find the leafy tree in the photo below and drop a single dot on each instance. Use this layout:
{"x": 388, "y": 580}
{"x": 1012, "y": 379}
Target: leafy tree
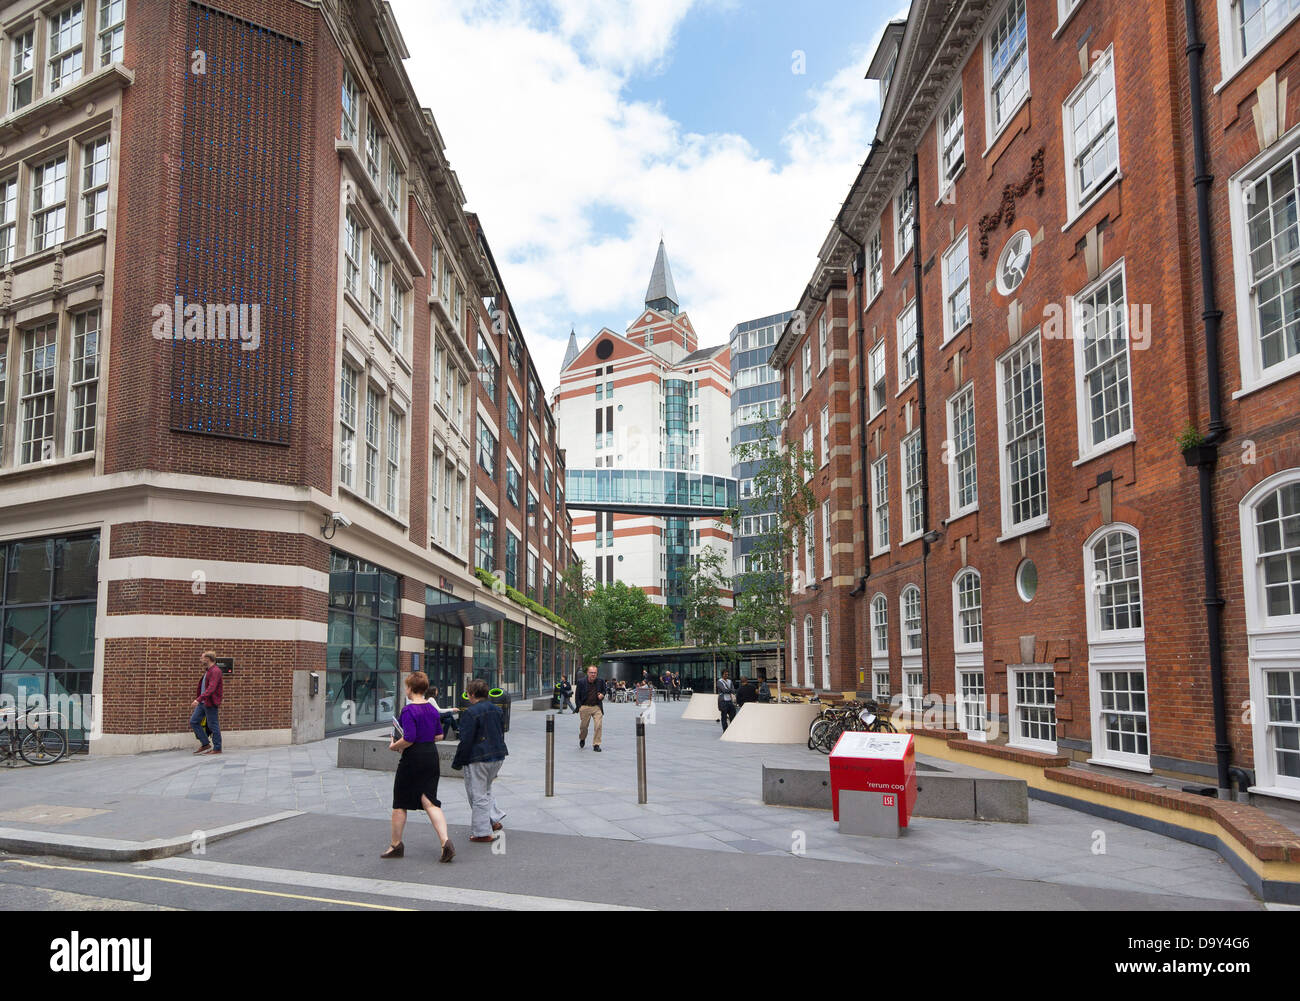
{"x": 584, "y": 614}
{"x": 782, "y": 483}
{"x": 632, "y": 620}
{"x": 710, "y": 625}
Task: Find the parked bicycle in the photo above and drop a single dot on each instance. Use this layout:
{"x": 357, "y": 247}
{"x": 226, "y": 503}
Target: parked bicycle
{"x": 833, "y": 721}
{"x": 37, "y": 736}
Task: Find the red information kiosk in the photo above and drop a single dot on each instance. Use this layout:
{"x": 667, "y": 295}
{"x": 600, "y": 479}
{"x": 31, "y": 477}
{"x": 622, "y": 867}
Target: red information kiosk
{"x": 875, "y": 762}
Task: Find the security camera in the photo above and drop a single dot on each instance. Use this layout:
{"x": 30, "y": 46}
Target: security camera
{"x": 340, "y": 520}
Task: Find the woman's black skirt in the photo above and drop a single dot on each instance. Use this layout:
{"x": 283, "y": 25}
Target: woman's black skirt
{"x": 417, "y": 776}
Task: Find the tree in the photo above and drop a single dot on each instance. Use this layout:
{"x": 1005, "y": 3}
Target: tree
{"x": 710, "y": 625}
{"x": 782, "y": 486}
{"x": 586, "y": 617}
{"x": 632, "y": 621}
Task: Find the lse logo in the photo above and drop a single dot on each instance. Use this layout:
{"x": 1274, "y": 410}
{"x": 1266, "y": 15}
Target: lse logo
{"x": 889, "y": 801}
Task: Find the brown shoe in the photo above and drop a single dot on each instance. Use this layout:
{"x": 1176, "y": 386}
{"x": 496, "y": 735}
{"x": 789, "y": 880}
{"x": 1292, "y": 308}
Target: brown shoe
{"x": 487, "y": 839}
{"x": 214, "y": 752}
{"x": 448, "y": 851}
{"x": 395, "y": 851}
{"x": 205, "y": 749}
{"x": 496, "y": 827}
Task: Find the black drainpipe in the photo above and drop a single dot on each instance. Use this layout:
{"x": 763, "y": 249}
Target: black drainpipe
{"x": 920, "y": 408}
{"x": 1207, "y": 455}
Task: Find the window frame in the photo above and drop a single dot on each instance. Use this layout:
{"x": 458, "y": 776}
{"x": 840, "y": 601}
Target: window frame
{"x": 955, "y": 509}
{"x": 905, "y": 328}
{"x": 903, "y": 237}
{"x": 1252, "y": 373}
{"x": 878, "y": 379}
{"x": 1232, "y": 54}
{"x": 1010, "y": 527}
{"x": 877, "y": 507}
{"x": 912, "y": 494}
{"x": 1077, "y": 199}
{"x": 995, "y": 126}
{"x": 1082, "y": 396}
{"x": 949, "y": 172}
{"x": 951, "y": 328}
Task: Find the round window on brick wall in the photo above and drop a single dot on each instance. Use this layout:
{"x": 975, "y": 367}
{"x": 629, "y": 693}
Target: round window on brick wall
{"x": 1014, "y": 262}
{"x": 1027, "y": 580}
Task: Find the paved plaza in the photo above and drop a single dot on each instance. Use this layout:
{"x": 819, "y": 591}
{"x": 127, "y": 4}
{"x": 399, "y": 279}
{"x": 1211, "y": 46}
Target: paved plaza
{"x": 704, "y": 795}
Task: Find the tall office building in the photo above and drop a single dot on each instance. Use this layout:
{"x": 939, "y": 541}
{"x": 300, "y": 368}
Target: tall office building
{"x": 643, "y": 417}
{"x": 755, "y": 398}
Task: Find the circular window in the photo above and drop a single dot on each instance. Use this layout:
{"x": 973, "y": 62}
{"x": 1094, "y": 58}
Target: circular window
{"x": 604, "y": 349}
{"x": 1027, "y": 580}
{"x": 620, "y": 408}
{"x": 1014, "y": 262}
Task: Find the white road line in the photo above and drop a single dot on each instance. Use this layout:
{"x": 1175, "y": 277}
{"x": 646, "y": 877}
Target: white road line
{"x": 381, "y": 887}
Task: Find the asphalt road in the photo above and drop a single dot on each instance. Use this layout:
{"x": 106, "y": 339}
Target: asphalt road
{"x": 317, "y": 862}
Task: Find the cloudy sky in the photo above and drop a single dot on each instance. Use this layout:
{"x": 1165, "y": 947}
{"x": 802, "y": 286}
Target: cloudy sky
{"x": 583, "y": 129}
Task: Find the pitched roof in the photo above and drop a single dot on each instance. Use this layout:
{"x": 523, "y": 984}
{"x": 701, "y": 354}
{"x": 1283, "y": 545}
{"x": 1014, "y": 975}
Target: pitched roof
{"x": 661, "y": 289}
{"x": 571, "y": 353}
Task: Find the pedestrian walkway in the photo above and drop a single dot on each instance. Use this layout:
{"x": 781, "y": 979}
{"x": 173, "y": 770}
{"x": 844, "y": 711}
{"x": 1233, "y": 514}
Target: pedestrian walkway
{"x": 703, "y": 794}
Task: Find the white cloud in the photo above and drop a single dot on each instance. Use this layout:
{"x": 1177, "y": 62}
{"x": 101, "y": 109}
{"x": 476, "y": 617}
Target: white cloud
{"x": 529, "y": 98}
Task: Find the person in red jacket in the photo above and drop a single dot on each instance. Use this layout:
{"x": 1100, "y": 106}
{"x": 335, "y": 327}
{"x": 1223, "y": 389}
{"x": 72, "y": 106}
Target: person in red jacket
{"x": 207, "y": 700}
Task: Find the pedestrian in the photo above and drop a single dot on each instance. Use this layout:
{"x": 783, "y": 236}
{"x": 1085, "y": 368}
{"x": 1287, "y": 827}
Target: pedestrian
{"x": 564, "y": 693}
{"x": 207, "y": 702}
{"x": 746, "y": 693}
{"x": 677, "y": 686}
{"x": 764, "y": 693}
{"x": 644, "y": 694}
{"x": 726, "y": 699}
{"x": 591, "y": 705}
{"x": 416, "y": 785}
{"x": 667, "y": 682}
{"x": 482, "y": 750}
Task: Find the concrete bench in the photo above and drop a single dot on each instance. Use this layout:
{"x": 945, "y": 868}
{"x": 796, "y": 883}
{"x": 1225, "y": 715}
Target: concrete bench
{"x": 947, "y": 792}
{"x": 370, "y": 751}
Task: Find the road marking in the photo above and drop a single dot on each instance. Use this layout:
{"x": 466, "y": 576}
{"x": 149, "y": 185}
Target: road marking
{"x": 496, "y": 900}
{"x": 206, "y": 886}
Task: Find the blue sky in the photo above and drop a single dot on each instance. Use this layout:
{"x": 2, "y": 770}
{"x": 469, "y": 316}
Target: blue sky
{"x": 582, "y": 129}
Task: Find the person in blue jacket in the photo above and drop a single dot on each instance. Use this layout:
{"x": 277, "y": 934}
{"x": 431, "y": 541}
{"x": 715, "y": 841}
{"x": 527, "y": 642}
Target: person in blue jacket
{"x": 482, "y": 750}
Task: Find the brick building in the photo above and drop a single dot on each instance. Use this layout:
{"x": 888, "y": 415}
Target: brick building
{"x": 258, "y": 435}
{"x": 1074, "y": 236}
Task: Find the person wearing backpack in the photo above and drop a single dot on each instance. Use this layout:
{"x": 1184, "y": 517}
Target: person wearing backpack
{"x": 207, "y": 701}
{"x": 481, "y": 751}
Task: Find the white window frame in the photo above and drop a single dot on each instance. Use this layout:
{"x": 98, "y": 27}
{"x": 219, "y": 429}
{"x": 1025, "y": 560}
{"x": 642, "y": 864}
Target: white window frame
{"x": 993, "y": 126}
{"x": 876, "y": 372}
{"x": 912, "y": 489}
{"x": 1082, "y": 395}
{"x": 826, "y": 651}
{"x": 826, "y": 539}
{"x": 83, "y": 381}
{"x": 879, "y": 621}
{"x": 905, "y": 328}
{"x": 1100, "y": 74}
{"x": 71, "y": 58}
{"x": 821, "y": 343}
{"x": 950, "y": 170}
{"x": 826, "y": 436}
{"x": 959, "y": 641}
{"x": 1113, "y": 650}
{"x": 349, "y": 98}
{"x": 8, "y": 219}
{"x": 905, "y": 635}
{"x": 875, "y": 265}
{"x": 955, "y": 459}
{"x": 1231, "y": 49}
{"x": 57, "y": 209}
{"x": 880, "y": 505}
{"x": 807, "y": 367}
{"x": 809, "y": 652}
{"x": 1253, "y": 374}
{"x": 954, "y": 322}
{"x": 349, "y": 386}
{"x": 903, "y": 222}
{"x": 21, "y": 56}
{"x": 1015, "y": 738}
{"x": 394, "y": 447}
{"x": 1273, "y": 640}
{"x": 96, "y": 169}
{"x": 1012, "y": 528}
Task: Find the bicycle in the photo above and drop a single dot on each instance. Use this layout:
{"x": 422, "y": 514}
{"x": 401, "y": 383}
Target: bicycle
{"x": 40, "y": 745}
{"x": 826, "y": 729}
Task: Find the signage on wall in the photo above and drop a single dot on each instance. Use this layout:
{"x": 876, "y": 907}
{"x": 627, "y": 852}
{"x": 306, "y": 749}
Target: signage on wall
{"x": 227, "y": 664}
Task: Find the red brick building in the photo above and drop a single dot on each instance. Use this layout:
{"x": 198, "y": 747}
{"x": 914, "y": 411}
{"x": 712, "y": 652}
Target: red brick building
{"x": 1075, "y": 235}
{"x": 258, "y": 434}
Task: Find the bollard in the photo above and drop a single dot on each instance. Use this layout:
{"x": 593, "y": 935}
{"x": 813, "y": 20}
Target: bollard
{"x": 640, "y": 760}
{"x": 550, "y": 754}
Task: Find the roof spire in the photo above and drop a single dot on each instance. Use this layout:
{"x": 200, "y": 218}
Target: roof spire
{"x": 571, "y": 353}
{"x": 662, "y": 294}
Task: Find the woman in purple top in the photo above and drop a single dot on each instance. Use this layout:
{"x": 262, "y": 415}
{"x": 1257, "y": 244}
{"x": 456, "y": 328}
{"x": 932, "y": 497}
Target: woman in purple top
{"x": 416, "y": 785}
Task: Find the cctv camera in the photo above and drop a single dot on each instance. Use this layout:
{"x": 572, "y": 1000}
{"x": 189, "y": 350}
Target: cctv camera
{"x": 340, "y": 520}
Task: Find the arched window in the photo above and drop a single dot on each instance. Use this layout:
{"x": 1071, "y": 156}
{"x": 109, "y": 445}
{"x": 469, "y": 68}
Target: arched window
{"x": 1270, "y": 556}
{"x": 879, "y": 626}
{"x": 911, "y": 620}
{"x": 826, "y": 650}
{"x": 1116, "y": 648}
{"x": 969, "y": 611}
{"x": 1117, "y": 582}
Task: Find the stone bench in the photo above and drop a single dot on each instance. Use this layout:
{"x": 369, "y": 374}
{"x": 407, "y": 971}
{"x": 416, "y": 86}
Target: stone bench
{"x": 947, "y": 792}
{"x": 370, "y": 751}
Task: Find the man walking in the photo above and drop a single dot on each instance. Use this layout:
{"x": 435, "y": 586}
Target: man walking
{"x": 481, "y": 751}
{"x": 207, "y": 700}
{"x": 563, "y": 694}
{"x": 591, "y": 705}
{"x": 726, "y": 699}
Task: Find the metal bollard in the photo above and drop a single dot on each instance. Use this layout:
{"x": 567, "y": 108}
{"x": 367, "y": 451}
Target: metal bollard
{"x": 640, "y": 760}
{"x": 550, "y": 754}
